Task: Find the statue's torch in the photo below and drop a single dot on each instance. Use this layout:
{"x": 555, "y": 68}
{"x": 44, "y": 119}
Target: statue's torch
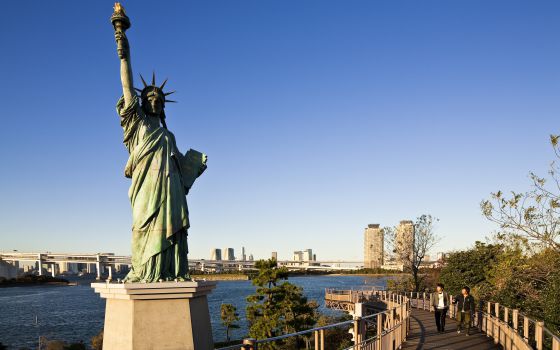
{"x": 121, "y": 23}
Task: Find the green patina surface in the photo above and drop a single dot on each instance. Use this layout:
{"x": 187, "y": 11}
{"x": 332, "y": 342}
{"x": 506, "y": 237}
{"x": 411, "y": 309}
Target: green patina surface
{"x": 161, "y": 177}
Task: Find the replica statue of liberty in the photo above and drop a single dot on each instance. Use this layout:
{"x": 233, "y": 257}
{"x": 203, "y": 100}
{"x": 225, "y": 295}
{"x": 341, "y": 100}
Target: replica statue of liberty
{"x": 161, "y": 175}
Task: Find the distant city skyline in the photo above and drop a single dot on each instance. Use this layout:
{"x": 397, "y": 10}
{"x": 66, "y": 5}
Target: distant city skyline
{"x": 318, "y": 118}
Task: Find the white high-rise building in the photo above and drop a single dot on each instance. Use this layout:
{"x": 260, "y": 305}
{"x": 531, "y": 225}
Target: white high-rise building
{"x": 243, "y": 256}
{"x": 308, "y": 255}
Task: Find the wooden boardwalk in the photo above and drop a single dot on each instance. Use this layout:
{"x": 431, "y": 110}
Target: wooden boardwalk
{"x": 424, "y": 335}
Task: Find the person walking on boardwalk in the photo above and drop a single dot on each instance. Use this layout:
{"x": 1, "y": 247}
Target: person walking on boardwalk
{"x": 465, "y": 308}
{"x": 440, "y": 303}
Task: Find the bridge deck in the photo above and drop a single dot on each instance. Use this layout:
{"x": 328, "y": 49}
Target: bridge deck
{"x": 424, "y": 335}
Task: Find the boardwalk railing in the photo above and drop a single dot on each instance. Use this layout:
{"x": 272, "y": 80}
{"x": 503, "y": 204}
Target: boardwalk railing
{"x": 508, "y": 327}
{"x": 387, "y": 329}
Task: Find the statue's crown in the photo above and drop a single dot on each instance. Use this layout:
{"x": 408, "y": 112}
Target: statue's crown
{"x": 154, "y": 88}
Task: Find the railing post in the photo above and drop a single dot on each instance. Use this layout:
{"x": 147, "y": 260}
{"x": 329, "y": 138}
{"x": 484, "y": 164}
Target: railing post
{"x": 515, "y": 316}
{"x": 379, "y": 342}
{"x": 322, "y": 335}
{"x": 357, "y": 340}
{"x": 555, "y": 343}
{"x": 506, "y": 315}
{"x": 316, "y": 333}
{"x": 526, "y": 328}
{"x": 539, "y": 334}
{"x": 249, "y": 344}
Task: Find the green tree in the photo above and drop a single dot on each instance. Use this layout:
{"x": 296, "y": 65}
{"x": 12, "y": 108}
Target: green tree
{"x": 229, "y": 316}
{"x": 533, "y": 215}
{"x": 469, "y": 268}
{"x": 277, "y": 308}
{"x": 526, "y": 275}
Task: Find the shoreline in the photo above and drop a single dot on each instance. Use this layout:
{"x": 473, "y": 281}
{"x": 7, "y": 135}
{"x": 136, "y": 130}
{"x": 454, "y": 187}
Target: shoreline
{"x": 221, "y": 277}
{"x": 369, "y": 274}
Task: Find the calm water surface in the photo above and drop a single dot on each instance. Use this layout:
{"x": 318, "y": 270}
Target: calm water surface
{"x": 76, "y": 313}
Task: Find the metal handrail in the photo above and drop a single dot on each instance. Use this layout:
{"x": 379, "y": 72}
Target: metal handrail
{"x": 504, "y": 330}
{"x": 398, "y": 305}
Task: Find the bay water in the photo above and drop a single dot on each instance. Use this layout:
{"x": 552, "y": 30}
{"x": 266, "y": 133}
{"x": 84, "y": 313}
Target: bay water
{"x": 76, "y": 313}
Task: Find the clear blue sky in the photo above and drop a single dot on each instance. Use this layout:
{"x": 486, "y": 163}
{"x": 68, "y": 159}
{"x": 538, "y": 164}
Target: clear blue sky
{"x": 318, "y": 117}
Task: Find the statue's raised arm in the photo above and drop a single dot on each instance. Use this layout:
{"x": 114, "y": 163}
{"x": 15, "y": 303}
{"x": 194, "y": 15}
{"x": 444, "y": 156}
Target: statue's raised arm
{"x": 121, "y": 23}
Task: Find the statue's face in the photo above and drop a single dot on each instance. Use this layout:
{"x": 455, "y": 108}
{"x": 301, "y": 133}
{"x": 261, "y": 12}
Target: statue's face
{"x": 153, "y": 104}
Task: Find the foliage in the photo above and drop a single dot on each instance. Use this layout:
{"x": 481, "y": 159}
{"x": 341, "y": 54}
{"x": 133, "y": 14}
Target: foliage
{"x": 97, "y": 341}
{"x": 526, "y": 273}
{"x": 335, "y": 338}
{"x": 275, "y": 308}
{"x": 509, "y": 273}
{"x": 229, "y": 316}
{"x": 469, "y": 268}
{"x": 533, "y": 215}
{"x": 423, "y": 240}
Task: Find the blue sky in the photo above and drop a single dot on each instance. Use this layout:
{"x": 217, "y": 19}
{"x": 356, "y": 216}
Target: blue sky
{"x": 318, "y": 117}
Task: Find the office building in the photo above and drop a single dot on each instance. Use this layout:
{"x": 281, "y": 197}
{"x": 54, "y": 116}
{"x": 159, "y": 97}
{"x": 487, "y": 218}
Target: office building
{"x": 216, "y": 254}
{"x": 229, "y": 254}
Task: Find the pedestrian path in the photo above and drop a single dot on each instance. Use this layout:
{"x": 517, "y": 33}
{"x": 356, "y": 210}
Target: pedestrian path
{"x": 424, "y": 335}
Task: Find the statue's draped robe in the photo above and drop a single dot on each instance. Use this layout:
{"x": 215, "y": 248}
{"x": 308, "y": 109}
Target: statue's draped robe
{"x": 158, "y": 198}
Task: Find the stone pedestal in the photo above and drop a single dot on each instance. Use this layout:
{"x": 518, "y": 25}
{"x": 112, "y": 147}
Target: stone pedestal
{"x": 162, "y": 316}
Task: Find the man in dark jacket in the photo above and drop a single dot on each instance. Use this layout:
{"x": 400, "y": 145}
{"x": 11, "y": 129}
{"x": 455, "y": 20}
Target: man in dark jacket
{"x": 440, "y": 304}
{"x": 465, "y": 308}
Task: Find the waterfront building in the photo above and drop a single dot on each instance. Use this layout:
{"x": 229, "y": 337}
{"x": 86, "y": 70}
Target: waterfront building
{"x": 275, "y": 256}
{"x": 404, "y": 243}
{"x": 243, "y": 256}
{"x": 216, "y": 254}
{"x": 251, "y": 257}
{"x": 229, "y": 254}
{"x": 373, "y": 246}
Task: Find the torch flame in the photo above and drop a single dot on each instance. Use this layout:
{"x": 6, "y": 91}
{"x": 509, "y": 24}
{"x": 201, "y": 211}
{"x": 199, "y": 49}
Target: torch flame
{"x": 118, "y": 8}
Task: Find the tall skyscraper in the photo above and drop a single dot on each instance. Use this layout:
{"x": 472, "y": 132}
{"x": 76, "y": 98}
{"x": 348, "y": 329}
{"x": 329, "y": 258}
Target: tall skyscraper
{"x": 229, "y": 254}
{"x": 308, "y": 255}
{"x": 373, "y": 246}
{"x": 216, "y": 254}
{"x": 251, "y": 257}
{"x": 243, "y": 256}
{"x": 275, "y": 256}
{"x": 404, "y": 242}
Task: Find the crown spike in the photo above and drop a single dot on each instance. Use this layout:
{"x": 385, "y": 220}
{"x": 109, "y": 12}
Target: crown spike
{"x": 143, "y": 81}
{"x": 169, "y": 93}
{"x": 171, "y": 101}
{"x": 137, "y": 89}
{"x": 163, "y": 84}
{"x": 154, "y": 78}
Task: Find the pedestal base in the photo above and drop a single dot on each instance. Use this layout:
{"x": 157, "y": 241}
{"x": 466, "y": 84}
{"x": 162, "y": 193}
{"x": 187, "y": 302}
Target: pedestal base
{"x": 166, "y": 316}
